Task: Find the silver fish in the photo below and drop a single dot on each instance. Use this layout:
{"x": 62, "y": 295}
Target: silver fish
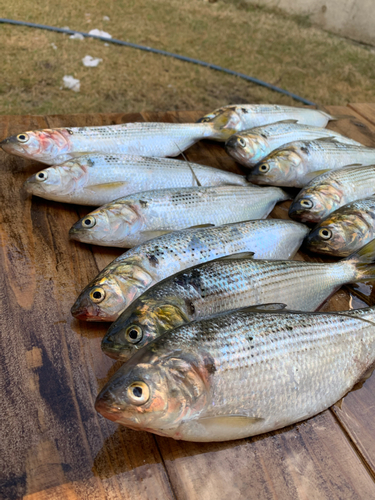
{"x": 297, "y": 163}
{"x": 253, "y": 145}
{"x": 131, "y": 274}
{"x": 225, "y": 285}
{"x": 241, "y": 374}
{"x": 54, "y": 146}
{"x": 332, "y": 190}
{"x": 345, "y": 230}
{"x": 96, "y": 179}
{"x": 130, "y": 221}
{"x": 234, "y": 118}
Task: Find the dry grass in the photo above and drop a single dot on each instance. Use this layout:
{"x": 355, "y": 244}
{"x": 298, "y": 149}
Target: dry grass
{"x": 262, "y": 43}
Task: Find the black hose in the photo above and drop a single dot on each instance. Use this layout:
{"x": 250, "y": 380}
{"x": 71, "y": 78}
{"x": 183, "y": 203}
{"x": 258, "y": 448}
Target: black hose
{"x": 164, "y": 53}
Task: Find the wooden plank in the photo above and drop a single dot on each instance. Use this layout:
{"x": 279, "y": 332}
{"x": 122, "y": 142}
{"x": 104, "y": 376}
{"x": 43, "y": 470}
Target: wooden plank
{"x": 67, "y": 451}
{"x": 365, "y": 110}
{"x": 52, "y": 439}
{"x": 312, "y": 460}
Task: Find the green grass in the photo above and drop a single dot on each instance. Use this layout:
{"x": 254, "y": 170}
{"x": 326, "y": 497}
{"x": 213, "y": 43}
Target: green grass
{"x": 264, "y": 43}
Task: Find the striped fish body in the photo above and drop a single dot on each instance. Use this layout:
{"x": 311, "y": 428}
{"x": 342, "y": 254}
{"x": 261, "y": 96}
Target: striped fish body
{"x": 332, "y": 190}
{"x": 130, "y": 221}
{"x": 228, "y": 120}
{"x": 297, "y": 163}
{"x": 251, "y": 146}
{"x": 189, "y": 384}
{"x": 131, "y": 274}
{"x": 96, "y": 179}
{"x": 224, "y": 285}
{"x": 54, "y": 146}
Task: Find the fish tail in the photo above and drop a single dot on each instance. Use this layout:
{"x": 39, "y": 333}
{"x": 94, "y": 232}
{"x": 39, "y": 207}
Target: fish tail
{"x": 363, "y": 262}
{"x": 286, "y": 195}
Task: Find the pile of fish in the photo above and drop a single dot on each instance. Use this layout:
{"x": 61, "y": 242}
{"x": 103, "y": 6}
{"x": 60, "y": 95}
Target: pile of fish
{"x": 216, "y": 325}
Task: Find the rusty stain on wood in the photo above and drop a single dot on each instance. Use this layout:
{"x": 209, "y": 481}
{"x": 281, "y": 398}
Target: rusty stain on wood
{"x": 54, "y": 445}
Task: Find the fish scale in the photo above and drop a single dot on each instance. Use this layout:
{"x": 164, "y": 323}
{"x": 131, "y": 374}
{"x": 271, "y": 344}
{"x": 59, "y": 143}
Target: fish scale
{"x": 294, "y": 164}
{"x": 225, "y": 285}
{"x": 101, "y": 178}
{"x": 161, "y": 257}
{"x": 332, "y": 190}
{"x": 130, "y": 221}
{"x": 251, "y": 146}
{"x": 295, "y": 365}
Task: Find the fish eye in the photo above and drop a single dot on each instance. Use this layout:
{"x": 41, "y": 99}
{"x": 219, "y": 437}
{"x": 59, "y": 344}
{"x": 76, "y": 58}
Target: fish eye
{"x": 134, "y": 334}
{"x": 138, "y": 393}
{"x": 97, "y": 295}
{"x": 41, "y": 176}
{"x": 325, "y": 233}
{"x": 205, "y": 120}
{"x": 22, "y": 137}
{"x": 305, "y": 203}
{"x": 242, "y": 142}
{"x": 264, "y": 168}
{"x": 89, "y": 221}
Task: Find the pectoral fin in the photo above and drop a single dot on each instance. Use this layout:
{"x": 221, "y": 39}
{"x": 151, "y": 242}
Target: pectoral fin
{"x": 107, "y": 186}
{"x": 155, "y": 234}
{"x": 236, "y": 256}
{"x": 231, "y": 422}
{"x": 277, "y": 306}
{"x": 311, "y": 175}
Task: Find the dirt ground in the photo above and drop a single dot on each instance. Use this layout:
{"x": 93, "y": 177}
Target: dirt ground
{"x": 282, "y": 50}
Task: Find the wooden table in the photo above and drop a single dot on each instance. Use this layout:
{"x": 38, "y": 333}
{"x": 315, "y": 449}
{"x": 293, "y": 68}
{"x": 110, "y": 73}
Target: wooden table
{"x": 53, "y": 443}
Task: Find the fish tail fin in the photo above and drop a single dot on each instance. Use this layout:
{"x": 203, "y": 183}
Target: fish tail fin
{"x": 363, "y": 262}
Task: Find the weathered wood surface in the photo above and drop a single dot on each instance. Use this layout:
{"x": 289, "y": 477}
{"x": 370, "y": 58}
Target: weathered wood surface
{"x": 53, "y": 443}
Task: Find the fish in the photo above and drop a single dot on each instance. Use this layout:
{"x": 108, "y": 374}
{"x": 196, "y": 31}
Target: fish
{"x": 332, "y": 190}
{"x": 251, "y": 146}
{"x": 96, "y": 179}
{"x": 130, "y": 221}
{"x": 240, "y": 374}
{"x": 133, "y": 272}
{"x": 57, "y": 145}
{"x": 297, "y": 163}
{"x": 345, "y": 230}
{"x": 228, "y": 120}
{"x": 224, "y": 285}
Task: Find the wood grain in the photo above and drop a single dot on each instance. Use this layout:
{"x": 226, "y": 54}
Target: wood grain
{"x": 55, "y": 445}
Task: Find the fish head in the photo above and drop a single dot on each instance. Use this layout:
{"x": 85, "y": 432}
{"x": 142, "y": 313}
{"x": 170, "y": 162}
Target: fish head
{"x": 111, "y": 292}
{"x": 58, "y": 180}
{"x": 42, "y": 145}
{"x": 339, "y": 234}
{"x": 309, "y": 207}
{"x": 141, "y": 323}
{"x": 277, "y": 169}
{"x": 156, "y": 390}
{"x": 225, "y": 122}
{"x": 247, "y": 149}
{"x": 109, "y": 224}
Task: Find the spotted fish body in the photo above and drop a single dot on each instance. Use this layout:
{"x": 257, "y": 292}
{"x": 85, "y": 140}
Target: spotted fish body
{"x": 294, "y": 164}
{"x": 228, "y": 120}
{"x": 130, "y": 221}
{"x": 345, "y": 230}
{"x": 241, "y": 374}
{"x": 253, "y": 145}
{"x": 96, "y": 179}
{"x": 131, "y": 274}
{"x": 225, "y": 285}
{"x": 332, "y": 190}
{"x": 54, "y": 146}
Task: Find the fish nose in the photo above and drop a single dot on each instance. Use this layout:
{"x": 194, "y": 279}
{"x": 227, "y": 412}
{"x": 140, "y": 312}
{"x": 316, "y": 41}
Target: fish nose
{"x": 78, "y": 311}
{"x": 231, "y": 143}
{"x": 108, "y": 341}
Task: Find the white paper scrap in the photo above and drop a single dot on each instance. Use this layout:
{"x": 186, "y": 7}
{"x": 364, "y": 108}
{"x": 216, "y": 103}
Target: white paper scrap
{"x": 71, "y": 83}
{"x": 97, "y": 32}
{"x": 91, "y": 61}
{"x": 77, "y": 36}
